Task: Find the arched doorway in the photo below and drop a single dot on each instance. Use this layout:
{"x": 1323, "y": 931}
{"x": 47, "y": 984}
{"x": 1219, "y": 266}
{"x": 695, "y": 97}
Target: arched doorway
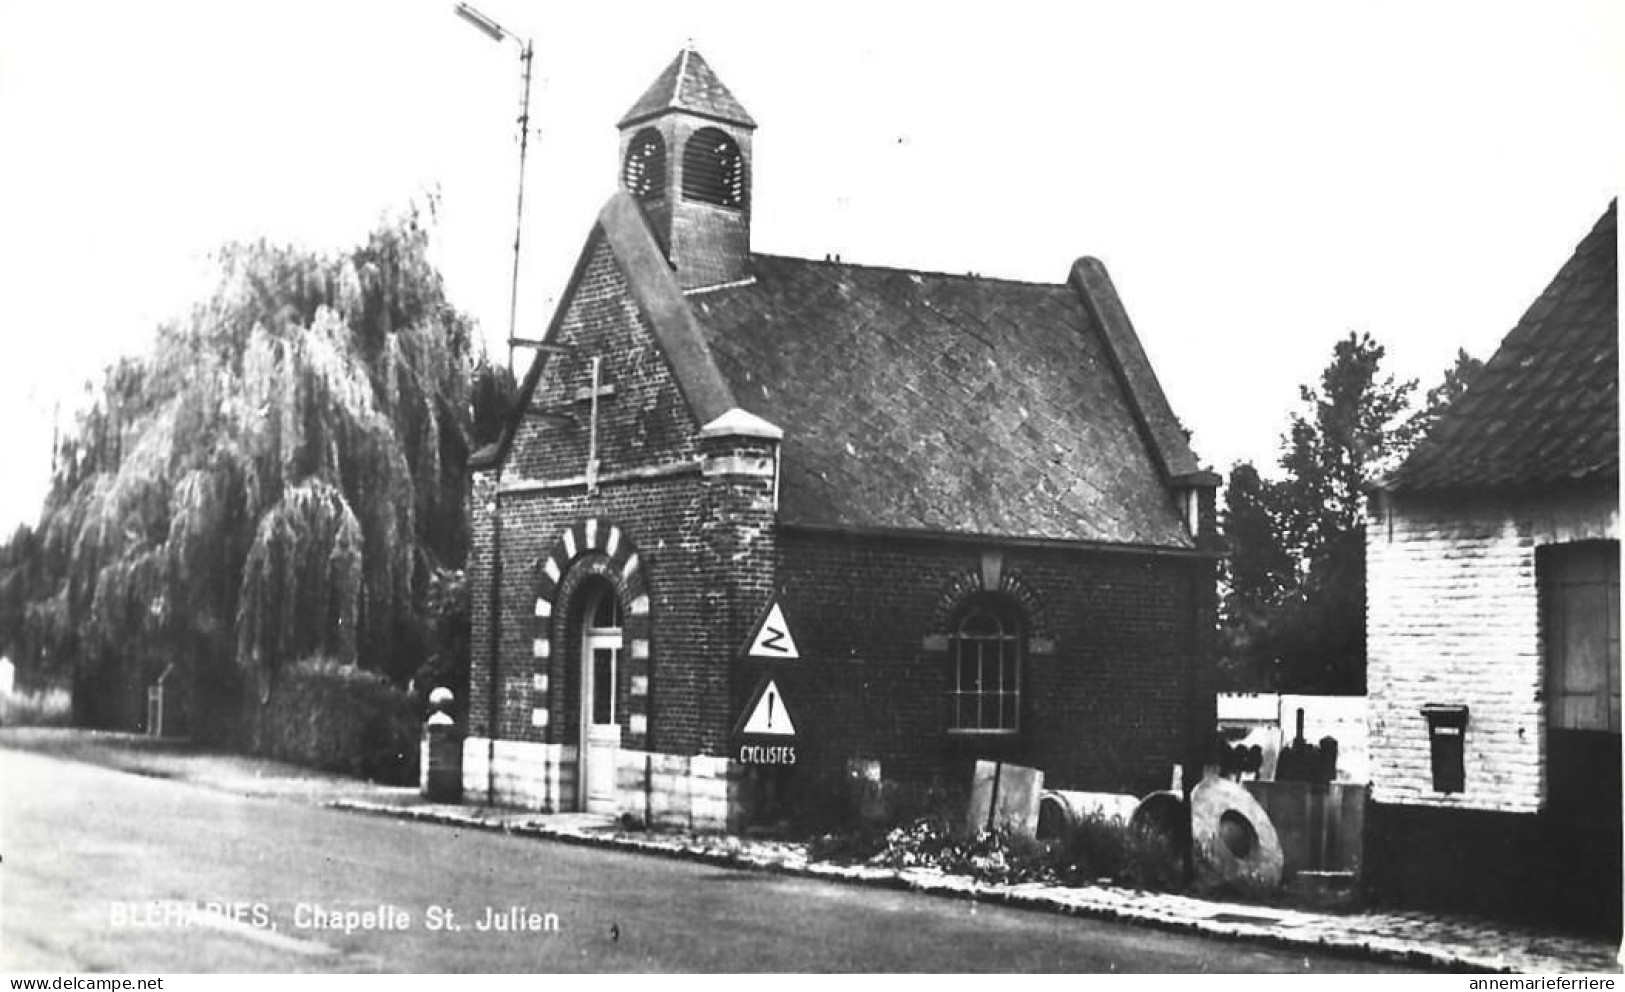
{"x": 600, "y": 731}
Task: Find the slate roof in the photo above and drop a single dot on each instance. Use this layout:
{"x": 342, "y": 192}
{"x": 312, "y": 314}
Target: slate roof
{"x": 688, "y": 84}
{"x": 1545, "y": 408}
{"x": 913, "y": 401}
{"x": 930, "y": 402}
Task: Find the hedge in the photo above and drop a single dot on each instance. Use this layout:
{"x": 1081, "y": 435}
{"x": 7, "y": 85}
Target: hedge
{"x": 339, "y": 718}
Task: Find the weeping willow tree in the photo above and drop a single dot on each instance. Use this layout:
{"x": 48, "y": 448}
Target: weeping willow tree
{"x": 280, "y": 477}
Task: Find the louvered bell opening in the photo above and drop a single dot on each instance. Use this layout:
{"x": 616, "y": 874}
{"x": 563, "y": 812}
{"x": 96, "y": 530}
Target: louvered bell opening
{"x": 714, "y": 169}
{"x": 644, "y": 172}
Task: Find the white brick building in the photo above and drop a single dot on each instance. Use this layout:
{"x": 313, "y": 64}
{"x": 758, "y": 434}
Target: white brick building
{"x": 1493, "y": 626}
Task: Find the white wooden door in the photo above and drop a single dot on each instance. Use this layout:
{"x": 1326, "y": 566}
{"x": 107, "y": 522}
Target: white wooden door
{"x": 600, "y": 730}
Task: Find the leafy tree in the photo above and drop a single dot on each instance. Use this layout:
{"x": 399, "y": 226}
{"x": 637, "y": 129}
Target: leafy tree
{"x": 280, "y": 476}
{"x": 1457, "y": 378}
{"x": 1350, "y": 431}
{"x": 450, "y": 635}
{"x": 20, "y": 582}
{"x": 494, "y": 393}
{"x": 1259, "y": 569}
{"x": 1295, "y": 612}
{"x": 1257, "y": 574}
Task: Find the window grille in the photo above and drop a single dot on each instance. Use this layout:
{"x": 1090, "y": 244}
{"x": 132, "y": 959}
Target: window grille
{"x": 985, "y": 652}
{"x": 644, "y": 172}
{"x": 713, "y": 169}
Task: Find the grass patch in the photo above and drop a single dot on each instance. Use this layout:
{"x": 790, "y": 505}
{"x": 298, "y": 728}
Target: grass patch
{"x": 1106, "y": 847}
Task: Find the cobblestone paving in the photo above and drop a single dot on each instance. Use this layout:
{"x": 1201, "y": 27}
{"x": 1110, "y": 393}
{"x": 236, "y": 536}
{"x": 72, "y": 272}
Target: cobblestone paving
{"x": 1423, "y": 939}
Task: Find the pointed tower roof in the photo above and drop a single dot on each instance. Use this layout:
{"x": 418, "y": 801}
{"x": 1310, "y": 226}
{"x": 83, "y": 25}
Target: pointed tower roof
{"x": 688, "y": 84}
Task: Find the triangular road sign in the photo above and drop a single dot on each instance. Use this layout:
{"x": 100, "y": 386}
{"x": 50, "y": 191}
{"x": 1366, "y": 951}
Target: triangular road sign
{"x": 769, "y": 718}
{"x": 772, "y": 638}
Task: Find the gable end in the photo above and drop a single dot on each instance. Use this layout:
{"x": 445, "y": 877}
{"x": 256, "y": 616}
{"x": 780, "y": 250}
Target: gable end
{"x": 659, "y": 299}
{"x": 1165, "y": 439}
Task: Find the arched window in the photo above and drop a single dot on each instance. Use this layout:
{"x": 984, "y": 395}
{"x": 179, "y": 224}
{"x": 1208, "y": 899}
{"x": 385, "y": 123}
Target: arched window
{"x": 984, "y": 649}
{"x": 713, "y": 169}
{"x": 600, "y": 651}
{"x": 644, "y": 172}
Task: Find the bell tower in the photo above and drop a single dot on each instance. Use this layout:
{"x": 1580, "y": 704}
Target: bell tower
{"x": 685, "y": 157}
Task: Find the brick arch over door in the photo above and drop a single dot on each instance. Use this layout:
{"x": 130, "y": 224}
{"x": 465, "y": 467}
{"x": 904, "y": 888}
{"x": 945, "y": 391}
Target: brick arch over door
{"x": 594, "y": 547}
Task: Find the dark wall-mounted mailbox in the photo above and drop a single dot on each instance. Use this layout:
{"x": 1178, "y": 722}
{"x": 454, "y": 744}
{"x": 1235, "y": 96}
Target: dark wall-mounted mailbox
{"x": 1447, "y": 737}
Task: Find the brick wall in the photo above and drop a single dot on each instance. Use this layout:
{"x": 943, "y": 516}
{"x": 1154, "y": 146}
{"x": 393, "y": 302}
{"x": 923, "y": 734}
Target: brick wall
{"x": 683, "y": 551}
{"x": 1114, "y": 669}
{"x": 482, "y": 500}
{"x": 1453, "y": 618}
{"x": 1115, "y": 681}
{"x": 680, "y": 521}
{"x": 645, "y": 424}
{"x": 659, "y": 521}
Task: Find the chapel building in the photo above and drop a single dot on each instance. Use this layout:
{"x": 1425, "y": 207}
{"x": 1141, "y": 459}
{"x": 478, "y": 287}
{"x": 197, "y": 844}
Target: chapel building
{"x": 759, "y": 523}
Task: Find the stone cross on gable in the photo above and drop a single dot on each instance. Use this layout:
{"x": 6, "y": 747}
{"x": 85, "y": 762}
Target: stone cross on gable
{"x": 598, "y": 390}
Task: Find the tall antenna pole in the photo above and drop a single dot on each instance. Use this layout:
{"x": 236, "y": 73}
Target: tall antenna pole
{"x": 493, "y": 722}
{"x": 519, "y": 211}
{"x": 497, "y": 32}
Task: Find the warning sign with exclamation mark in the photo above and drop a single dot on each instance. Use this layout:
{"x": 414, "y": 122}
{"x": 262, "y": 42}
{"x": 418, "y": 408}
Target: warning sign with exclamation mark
{"x": 769, "y": 717}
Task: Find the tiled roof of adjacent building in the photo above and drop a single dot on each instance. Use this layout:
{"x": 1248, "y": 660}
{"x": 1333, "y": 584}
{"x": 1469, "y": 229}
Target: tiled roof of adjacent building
{"x": 930, "y": 402}
{"x": 1545, "y": 408}
{"x": 688, "y": 84}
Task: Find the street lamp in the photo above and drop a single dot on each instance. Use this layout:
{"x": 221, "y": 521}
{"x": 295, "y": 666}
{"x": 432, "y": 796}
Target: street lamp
{"x": 497, "y": 32}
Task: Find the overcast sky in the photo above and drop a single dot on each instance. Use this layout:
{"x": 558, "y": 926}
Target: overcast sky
{"x": 1259, "y": 178}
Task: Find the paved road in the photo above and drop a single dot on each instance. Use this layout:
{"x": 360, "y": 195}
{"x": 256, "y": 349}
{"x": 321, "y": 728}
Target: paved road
{"x": 87, "y": 851}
